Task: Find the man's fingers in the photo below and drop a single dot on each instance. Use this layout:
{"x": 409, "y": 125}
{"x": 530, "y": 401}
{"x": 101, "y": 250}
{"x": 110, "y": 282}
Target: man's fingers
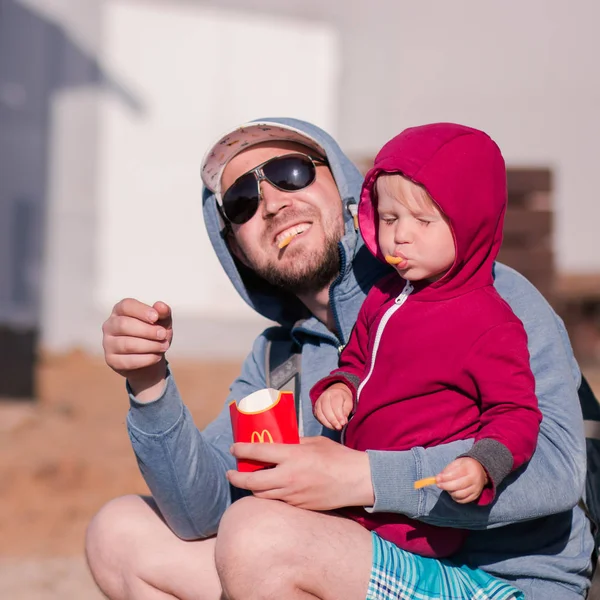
{"x": 130, "y": 307}
{"x": 130, "y": 326}
{"x": 164, "y": 312}
{"x": 135, "y": 345}
{"x": 237, "y": 479}
{"x": 269, "y": 453}
{"x": 270, "y": 494}
{"x": 257, "y": 481}
{"x": 253, "y": 482}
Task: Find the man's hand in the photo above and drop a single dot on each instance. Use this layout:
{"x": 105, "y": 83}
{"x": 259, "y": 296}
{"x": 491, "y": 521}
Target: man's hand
{"x": 464, "y": 479}
{"x": 135, "y": 338}
{"x": 334, "y": 405}
{"x": 317, "y": 474}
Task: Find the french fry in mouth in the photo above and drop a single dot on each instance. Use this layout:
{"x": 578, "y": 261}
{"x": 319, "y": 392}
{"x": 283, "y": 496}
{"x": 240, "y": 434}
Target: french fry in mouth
{"x": 393, "y": 260}
{"x": 285, "y": 241}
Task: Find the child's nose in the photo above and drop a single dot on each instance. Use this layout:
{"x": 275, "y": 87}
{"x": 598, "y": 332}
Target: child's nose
{"x": 402, "y": 232}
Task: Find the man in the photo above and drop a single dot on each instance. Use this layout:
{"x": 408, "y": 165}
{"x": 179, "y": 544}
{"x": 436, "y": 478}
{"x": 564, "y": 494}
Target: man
{"x": 279, "y": 206}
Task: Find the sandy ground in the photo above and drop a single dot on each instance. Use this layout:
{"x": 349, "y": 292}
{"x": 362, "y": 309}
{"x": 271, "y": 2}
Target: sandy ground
{"x": 64, "y": 456}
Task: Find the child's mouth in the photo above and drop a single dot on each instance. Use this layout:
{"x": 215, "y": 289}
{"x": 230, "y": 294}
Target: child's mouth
{"x": 394, "y": 260}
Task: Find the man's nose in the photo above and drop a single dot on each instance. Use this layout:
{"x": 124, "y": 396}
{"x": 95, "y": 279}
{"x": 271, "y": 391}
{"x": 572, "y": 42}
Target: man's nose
{"x": 273, "y": 199}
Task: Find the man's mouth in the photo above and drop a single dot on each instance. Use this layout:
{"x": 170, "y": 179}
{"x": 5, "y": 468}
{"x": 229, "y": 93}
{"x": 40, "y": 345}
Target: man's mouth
{"x": 283, "y": 238}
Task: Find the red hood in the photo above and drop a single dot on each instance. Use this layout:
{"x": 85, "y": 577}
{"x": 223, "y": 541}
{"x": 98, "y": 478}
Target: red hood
{"x": 464, "y": 172}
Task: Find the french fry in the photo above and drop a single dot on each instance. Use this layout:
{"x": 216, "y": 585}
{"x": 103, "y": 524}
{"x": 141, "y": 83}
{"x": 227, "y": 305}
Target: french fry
{"x": 421, "y": 483}
{"x": 393, "y": 260}
{"x": 283, "y": 243}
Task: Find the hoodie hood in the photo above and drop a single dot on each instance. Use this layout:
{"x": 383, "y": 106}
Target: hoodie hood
{"x": 270, "y": 301}
{"x": 462, "y": 169}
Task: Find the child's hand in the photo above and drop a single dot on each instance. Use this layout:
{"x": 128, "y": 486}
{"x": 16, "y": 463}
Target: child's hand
{"x": 333, "y": 406}
{"x": 464, "y": 479}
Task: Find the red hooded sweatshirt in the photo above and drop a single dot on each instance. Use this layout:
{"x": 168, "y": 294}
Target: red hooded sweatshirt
{"x": 447, "y": 360}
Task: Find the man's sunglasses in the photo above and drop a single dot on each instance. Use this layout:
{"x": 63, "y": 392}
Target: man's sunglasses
{"x": 288, "y": 173}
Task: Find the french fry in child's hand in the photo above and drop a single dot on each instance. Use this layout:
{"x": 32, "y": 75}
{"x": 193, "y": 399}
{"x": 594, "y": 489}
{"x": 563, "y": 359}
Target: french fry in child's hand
{"x": 283, "y": 243}
{"x": 421, "y": 483}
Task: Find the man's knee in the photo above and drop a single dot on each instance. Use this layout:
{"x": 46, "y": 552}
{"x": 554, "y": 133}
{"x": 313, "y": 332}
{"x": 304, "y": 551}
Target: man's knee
{"x": 132, "y": 553}
{"x": 114, "y": 522}
{"x": 111, "y": 534}
{"x": 254, "y": 536}
{"x": 256, "y": 525}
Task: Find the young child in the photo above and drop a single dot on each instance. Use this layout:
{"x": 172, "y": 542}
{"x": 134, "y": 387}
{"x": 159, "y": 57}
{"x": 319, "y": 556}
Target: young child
{"x": 436, "y": 354}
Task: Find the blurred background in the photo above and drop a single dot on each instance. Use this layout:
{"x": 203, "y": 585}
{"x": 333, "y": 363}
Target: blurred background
{"x": 106, "y": 109}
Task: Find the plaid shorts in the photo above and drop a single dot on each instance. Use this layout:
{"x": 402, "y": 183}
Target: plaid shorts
{"x": 400, "y": 575}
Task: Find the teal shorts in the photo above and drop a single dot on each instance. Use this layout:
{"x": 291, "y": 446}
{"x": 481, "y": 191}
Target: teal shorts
{"x": 400, "y": 575}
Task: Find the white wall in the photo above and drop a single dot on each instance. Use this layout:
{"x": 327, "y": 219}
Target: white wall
{"x": 197, "y": 71}
{"x": 525, "y": 72}
{"x": 132, "y": 224}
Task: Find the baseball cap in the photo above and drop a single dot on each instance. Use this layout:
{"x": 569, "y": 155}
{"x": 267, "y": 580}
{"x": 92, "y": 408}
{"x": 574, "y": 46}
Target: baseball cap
{"x": 234, "y": 141}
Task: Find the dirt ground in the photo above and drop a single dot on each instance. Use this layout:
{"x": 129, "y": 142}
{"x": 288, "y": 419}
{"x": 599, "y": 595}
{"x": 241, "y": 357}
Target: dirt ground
{"x": 64, "y": 456}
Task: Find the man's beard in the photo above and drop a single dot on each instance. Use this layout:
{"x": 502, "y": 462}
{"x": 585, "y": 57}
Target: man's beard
{"x": 317, "y": 272}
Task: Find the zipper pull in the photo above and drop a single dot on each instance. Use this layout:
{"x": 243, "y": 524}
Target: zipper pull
{"x": 408, "y": 288}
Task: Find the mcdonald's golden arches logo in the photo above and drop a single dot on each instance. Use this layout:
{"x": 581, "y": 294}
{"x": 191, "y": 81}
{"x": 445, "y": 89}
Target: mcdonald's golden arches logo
{"x": 264, "y": 436}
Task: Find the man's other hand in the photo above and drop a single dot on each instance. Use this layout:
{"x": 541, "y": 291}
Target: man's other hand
{"x": 317, "y": 474}
{"x": 135, "y": 338}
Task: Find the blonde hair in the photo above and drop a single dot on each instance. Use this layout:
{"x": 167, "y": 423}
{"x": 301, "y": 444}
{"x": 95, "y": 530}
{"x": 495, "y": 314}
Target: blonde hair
{"x": 396, "y": 186}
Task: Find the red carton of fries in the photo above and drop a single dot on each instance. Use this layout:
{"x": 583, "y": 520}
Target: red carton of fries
{"x": 265, "y": 417}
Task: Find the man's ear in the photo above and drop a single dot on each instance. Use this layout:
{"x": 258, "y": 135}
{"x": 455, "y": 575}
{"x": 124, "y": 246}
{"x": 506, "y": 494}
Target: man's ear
{"x": 235, "y": 249}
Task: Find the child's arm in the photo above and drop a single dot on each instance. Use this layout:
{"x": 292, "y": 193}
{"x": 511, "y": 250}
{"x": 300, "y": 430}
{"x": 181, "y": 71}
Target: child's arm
{"x": 498, "y": 364}
{"x": 558, "y": 462}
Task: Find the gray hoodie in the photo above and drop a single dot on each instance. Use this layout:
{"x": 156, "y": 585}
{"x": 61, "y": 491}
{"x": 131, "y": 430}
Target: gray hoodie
{"x": 533, "y": 534}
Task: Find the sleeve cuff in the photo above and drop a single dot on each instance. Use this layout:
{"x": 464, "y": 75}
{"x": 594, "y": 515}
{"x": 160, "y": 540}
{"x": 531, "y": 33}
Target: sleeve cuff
{"x": 392, "y": 476}
{"x": 352, "y": 381}
{"x": 159, "y": 415}
{"x": 496, "y": 459}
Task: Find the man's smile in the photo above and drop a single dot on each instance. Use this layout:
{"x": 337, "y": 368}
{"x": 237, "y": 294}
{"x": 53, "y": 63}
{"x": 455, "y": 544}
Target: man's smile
{"x": 284, "y": 237}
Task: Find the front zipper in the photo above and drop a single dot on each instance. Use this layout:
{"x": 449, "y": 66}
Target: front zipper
{"x": 398, "y": 302}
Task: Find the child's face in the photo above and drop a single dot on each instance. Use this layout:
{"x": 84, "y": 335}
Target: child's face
{"x": 411, "y": 227}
